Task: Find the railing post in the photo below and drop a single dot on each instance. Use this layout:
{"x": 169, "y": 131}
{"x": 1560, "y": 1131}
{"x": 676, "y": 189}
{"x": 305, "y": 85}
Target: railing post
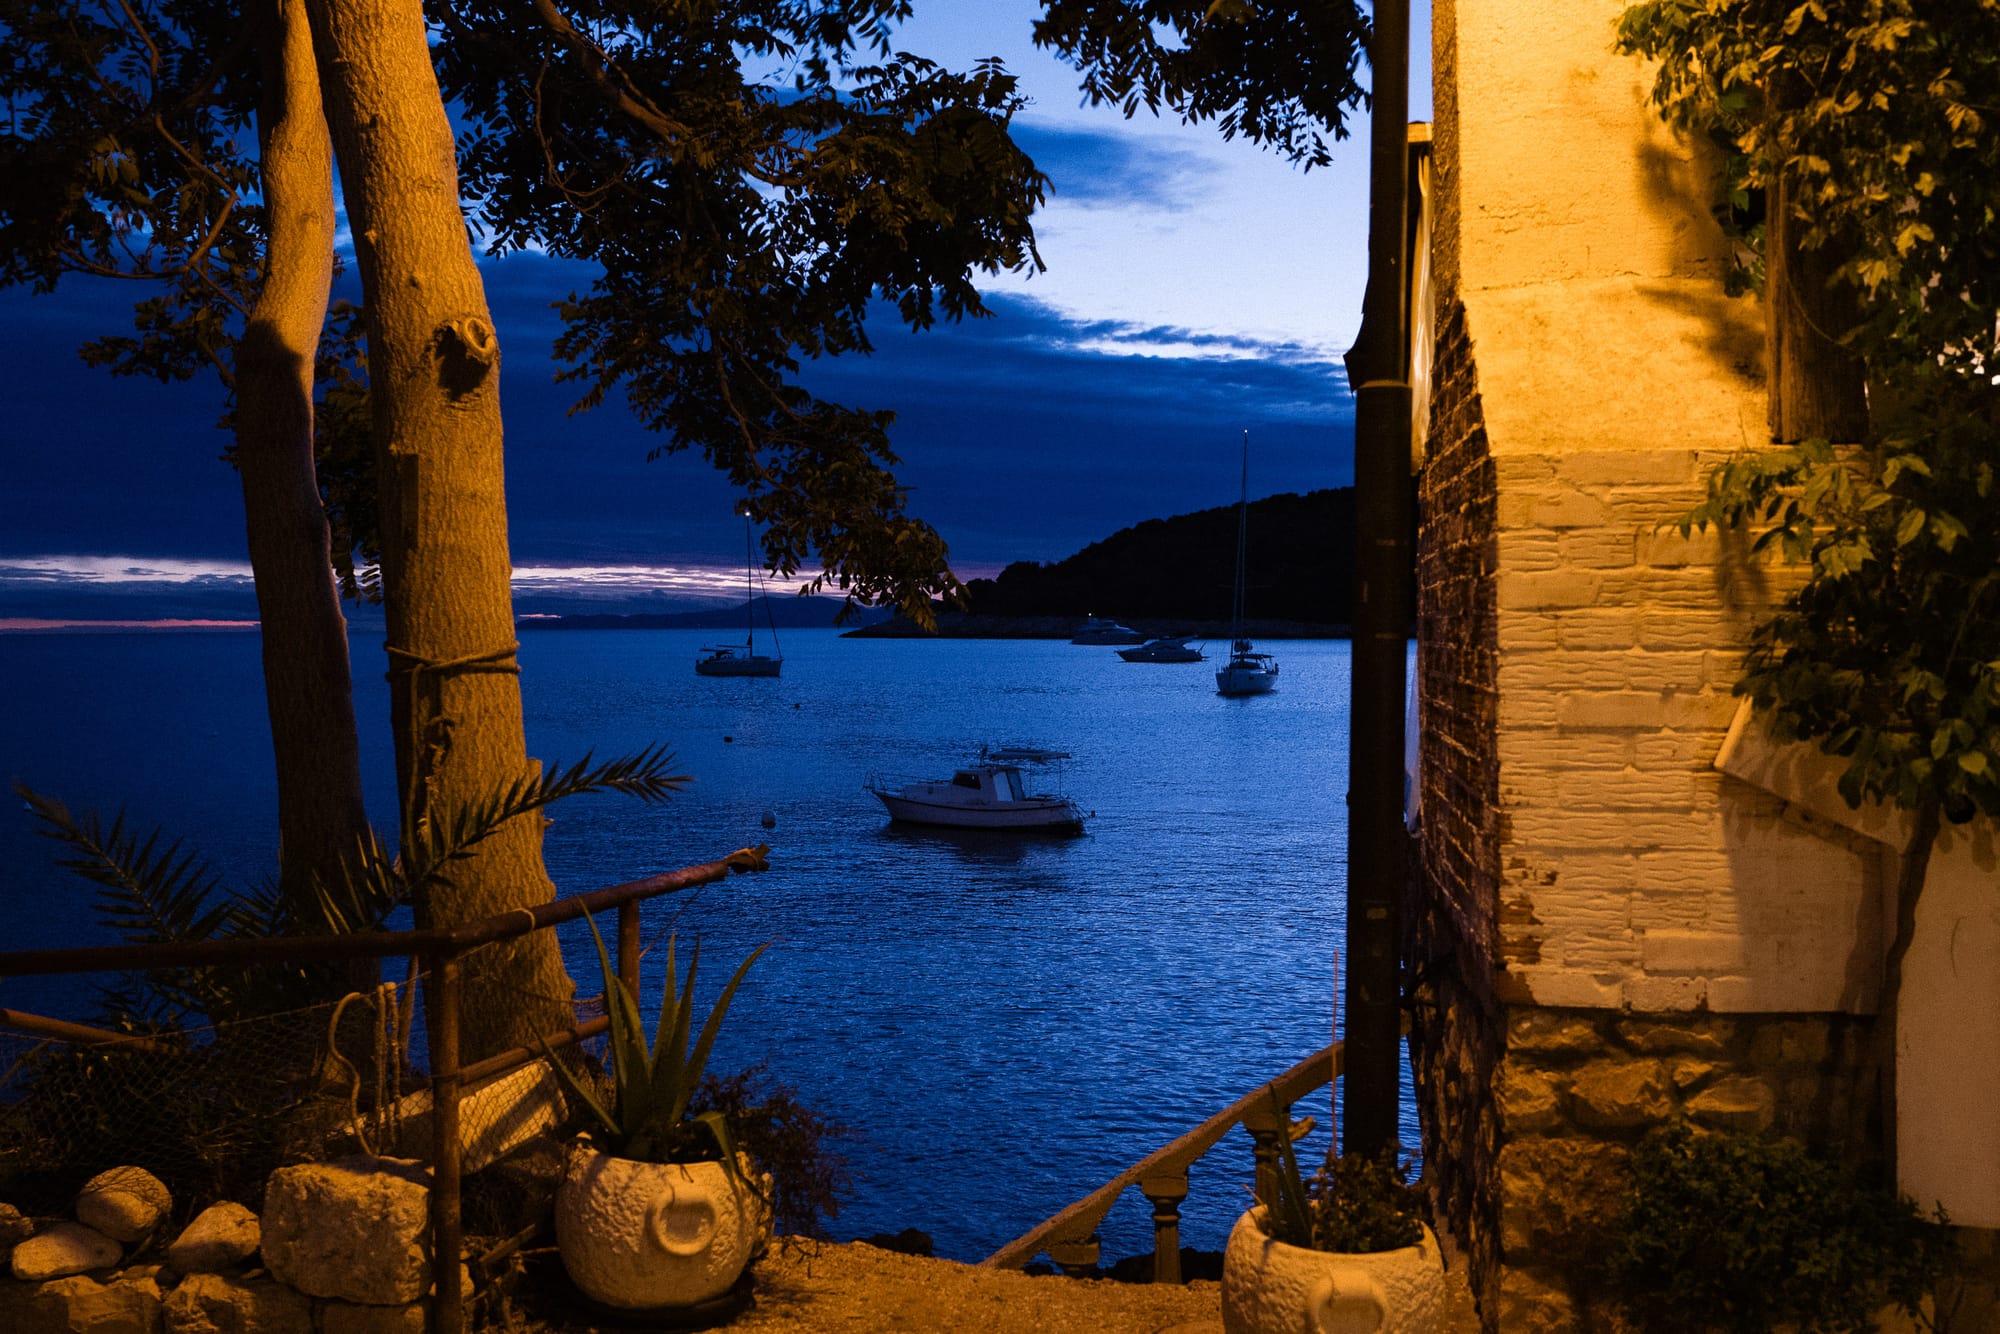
{"x": 1265, "y": 1124}
{"x": 447, "y": 1313}
{"x": 1075, "y": 1258}
{"x": 1166, "y": 1193}
{"x": 628, "y": 947}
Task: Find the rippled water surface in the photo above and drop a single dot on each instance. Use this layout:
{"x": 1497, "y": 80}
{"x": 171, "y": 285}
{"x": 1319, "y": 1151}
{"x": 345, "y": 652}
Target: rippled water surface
{"x": 1006, "y": 1022}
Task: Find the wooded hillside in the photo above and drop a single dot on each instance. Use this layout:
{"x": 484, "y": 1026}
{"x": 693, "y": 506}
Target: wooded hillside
{"x": 1300, "y": 568}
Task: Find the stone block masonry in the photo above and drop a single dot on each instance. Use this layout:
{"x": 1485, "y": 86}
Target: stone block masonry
{"x": 1578, "y": 1088}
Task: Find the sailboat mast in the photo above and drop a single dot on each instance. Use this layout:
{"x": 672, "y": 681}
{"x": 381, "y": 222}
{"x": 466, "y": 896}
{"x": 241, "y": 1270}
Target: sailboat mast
{"x": 1242, "y": 543}
{"x": 749, "y": 588}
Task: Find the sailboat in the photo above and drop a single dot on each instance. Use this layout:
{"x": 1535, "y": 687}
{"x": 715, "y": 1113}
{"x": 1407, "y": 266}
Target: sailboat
{"x": 728, "y": 659}
{"x": 1246, "y": 672}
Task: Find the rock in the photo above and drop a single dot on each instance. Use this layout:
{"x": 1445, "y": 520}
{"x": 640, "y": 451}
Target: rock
{"x": 1527, "y": 1100}
{"x": 15, "y": 1228}
{"x": 65, "y": 1249}
{"x": 909, "y": 1241}
{"x": 355, "y": 1229}
{"x": 1621, "y": 1095}
{"x": 1740, "y": 1102}
{"x": 221, "y": 1236}
{"x": 494, "y": 1118}
{"x": 348, "y": 1318}
{"x": 213, "y": 1304}
{"x": 1559, "y": 1196}
{"x": 1688, "y": 1071}
{"x": 125, "y": 1203}
{"x": 81, "y": 1305}
{"x": 1551, "y": 1031}
{"x": 1704, "y": 1037}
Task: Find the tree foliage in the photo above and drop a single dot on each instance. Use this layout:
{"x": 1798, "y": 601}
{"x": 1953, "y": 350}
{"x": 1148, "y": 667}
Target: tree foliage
{"x": 1888, "y": 655}
{"x": 748, "y": 177}
{"x": 1281, "y": 75}
{"x": 743, "y": 226}
{"x": 1878, "y": 113}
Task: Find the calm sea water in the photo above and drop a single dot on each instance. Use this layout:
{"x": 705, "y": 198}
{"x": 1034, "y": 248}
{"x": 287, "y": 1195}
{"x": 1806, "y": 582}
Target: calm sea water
{"x": 1006, "y": 1022}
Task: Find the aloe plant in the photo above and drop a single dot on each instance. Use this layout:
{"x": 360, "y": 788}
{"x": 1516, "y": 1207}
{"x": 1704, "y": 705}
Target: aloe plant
{"x": 649, "y": 1118}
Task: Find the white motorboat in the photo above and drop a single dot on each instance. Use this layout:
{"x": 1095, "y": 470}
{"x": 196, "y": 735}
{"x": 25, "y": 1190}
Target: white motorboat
{"x": 1246, "y": 672}
{"x": 1097, "y": 631}
{"x": 1170, "y": 649}
{"x": 730, "y": 660}
{"x": 987, "y": 794}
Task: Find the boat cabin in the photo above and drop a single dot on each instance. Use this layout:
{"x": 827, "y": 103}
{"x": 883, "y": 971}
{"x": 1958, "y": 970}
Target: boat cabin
{"x": 992, "y": 783}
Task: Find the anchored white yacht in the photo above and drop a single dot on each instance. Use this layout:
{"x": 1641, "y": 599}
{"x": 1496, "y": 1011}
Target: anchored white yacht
{"x": 986, "y": 794}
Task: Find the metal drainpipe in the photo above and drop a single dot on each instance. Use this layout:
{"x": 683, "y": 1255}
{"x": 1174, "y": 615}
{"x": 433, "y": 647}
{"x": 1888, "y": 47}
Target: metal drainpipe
{"x": 1377, "y": 366}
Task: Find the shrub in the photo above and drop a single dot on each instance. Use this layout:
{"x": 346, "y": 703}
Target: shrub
{"x": 1740, "y": 1233}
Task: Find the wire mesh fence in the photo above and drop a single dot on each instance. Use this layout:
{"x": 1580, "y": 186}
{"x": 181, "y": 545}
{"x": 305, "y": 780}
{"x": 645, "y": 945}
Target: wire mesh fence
{"x": 212, "y": 1108}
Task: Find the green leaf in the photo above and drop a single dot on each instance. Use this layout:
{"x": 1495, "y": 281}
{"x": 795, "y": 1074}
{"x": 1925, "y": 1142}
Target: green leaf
{"x": 631, "y": 1072}
{"x": 699, "y": 1060}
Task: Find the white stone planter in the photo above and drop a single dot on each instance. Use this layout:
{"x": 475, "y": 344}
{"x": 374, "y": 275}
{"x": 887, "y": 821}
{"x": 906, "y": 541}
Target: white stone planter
{"x": 645, "y": 1235}
{"x": 1269, "y": 1287}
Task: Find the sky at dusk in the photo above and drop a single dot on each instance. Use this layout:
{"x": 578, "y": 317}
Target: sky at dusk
{"x": 1194, "y": 288}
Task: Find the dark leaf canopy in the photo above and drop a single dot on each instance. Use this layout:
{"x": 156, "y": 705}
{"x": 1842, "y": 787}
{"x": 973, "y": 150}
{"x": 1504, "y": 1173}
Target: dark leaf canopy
{"x": 744, "y": 226}
{"x": 1280, "y": 75}
{"x": 128, "y": 150}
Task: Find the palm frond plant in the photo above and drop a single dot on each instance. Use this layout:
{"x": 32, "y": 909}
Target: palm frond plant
{"x": 214, "y": 1111}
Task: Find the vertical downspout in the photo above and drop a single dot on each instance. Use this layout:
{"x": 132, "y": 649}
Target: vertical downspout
{"x": 1377, "y": 845}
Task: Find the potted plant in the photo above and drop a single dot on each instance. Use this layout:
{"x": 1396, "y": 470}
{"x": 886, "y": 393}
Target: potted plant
{"x": 657, "y": 1208}
{"x": 1347, "y": 1251}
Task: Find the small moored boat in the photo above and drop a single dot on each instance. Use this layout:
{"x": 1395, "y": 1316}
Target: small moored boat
{"x": 728, "y": 659}
{"x": 1097, "y": 631}
{"x": 1170, "y": 649}
{"x": 1247, "y": 672}
{"x": 986, "y": 794}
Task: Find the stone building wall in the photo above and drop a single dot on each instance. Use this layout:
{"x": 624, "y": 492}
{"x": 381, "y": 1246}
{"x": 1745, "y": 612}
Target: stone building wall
{"x": 1578, "y": 1088}
{"x": 1607, "y": 933}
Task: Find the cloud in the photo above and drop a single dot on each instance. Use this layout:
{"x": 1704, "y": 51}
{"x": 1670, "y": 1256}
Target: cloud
{"x": 1112, "y": 167}
{"x": 1025, "y": 436}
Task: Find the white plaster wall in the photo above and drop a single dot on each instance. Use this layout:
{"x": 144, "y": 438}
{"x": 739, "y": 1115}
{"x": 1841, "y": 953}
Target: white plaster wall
{"x": 1948, "y": 1034}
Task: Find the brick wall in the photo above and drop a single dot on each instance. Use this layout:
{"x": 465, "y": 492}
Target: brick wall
{"x": 1455, "y": 1034}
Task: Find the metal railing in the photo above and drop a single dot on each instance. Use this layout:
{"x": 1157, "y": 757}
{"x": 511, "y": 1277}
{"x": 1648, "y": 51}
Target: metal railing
{"x": 440, "y": 950}
{"x": 1070, "y": 1237}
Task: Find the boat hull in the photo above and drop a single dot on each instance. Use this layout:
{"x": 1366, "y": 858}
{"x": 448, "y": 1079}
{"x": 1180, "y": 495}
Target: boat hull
{"x": 1161, "y": 654}
{"x": 1238, "y": 681}
{"x": 752, "y": 666}
{"x": 1046, "y": 815}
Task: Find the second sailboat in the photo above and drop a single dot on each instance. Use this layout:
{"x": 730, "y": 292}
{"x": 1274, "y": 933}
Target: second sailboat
{"x": 1246, "y": 672}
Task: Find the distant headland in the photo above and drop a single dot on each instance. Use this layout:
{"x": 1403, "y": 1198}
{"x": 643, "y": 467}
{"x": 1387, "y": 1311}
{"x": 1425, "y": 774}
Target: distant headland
{"x": 1161, "y": 577}
{"x": 1172, "y": 576}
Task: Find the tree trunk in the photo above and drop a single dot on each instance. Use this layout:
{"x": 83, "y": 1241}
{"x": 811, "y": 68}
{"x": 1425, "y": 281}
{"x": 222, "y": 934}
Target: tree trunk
{"x": 1914, "y": 867}
{"x": 307, "y": 687}
{"x": 1816, "y": 386}
{"x": 434, "y": 377}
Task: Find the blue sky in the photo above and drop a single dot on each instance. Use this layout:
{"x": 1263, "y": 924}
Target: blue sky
{"x": 1194, "y": 288}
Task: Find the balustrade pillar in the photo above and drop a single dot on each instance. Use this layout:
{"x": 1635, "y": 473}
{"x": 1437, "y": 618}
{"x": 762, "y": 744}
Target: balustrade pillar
{"x": 1076, "y": 1258}
{"x": 1265, "y": 1124}
{"x": 1166, "y": 1193}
